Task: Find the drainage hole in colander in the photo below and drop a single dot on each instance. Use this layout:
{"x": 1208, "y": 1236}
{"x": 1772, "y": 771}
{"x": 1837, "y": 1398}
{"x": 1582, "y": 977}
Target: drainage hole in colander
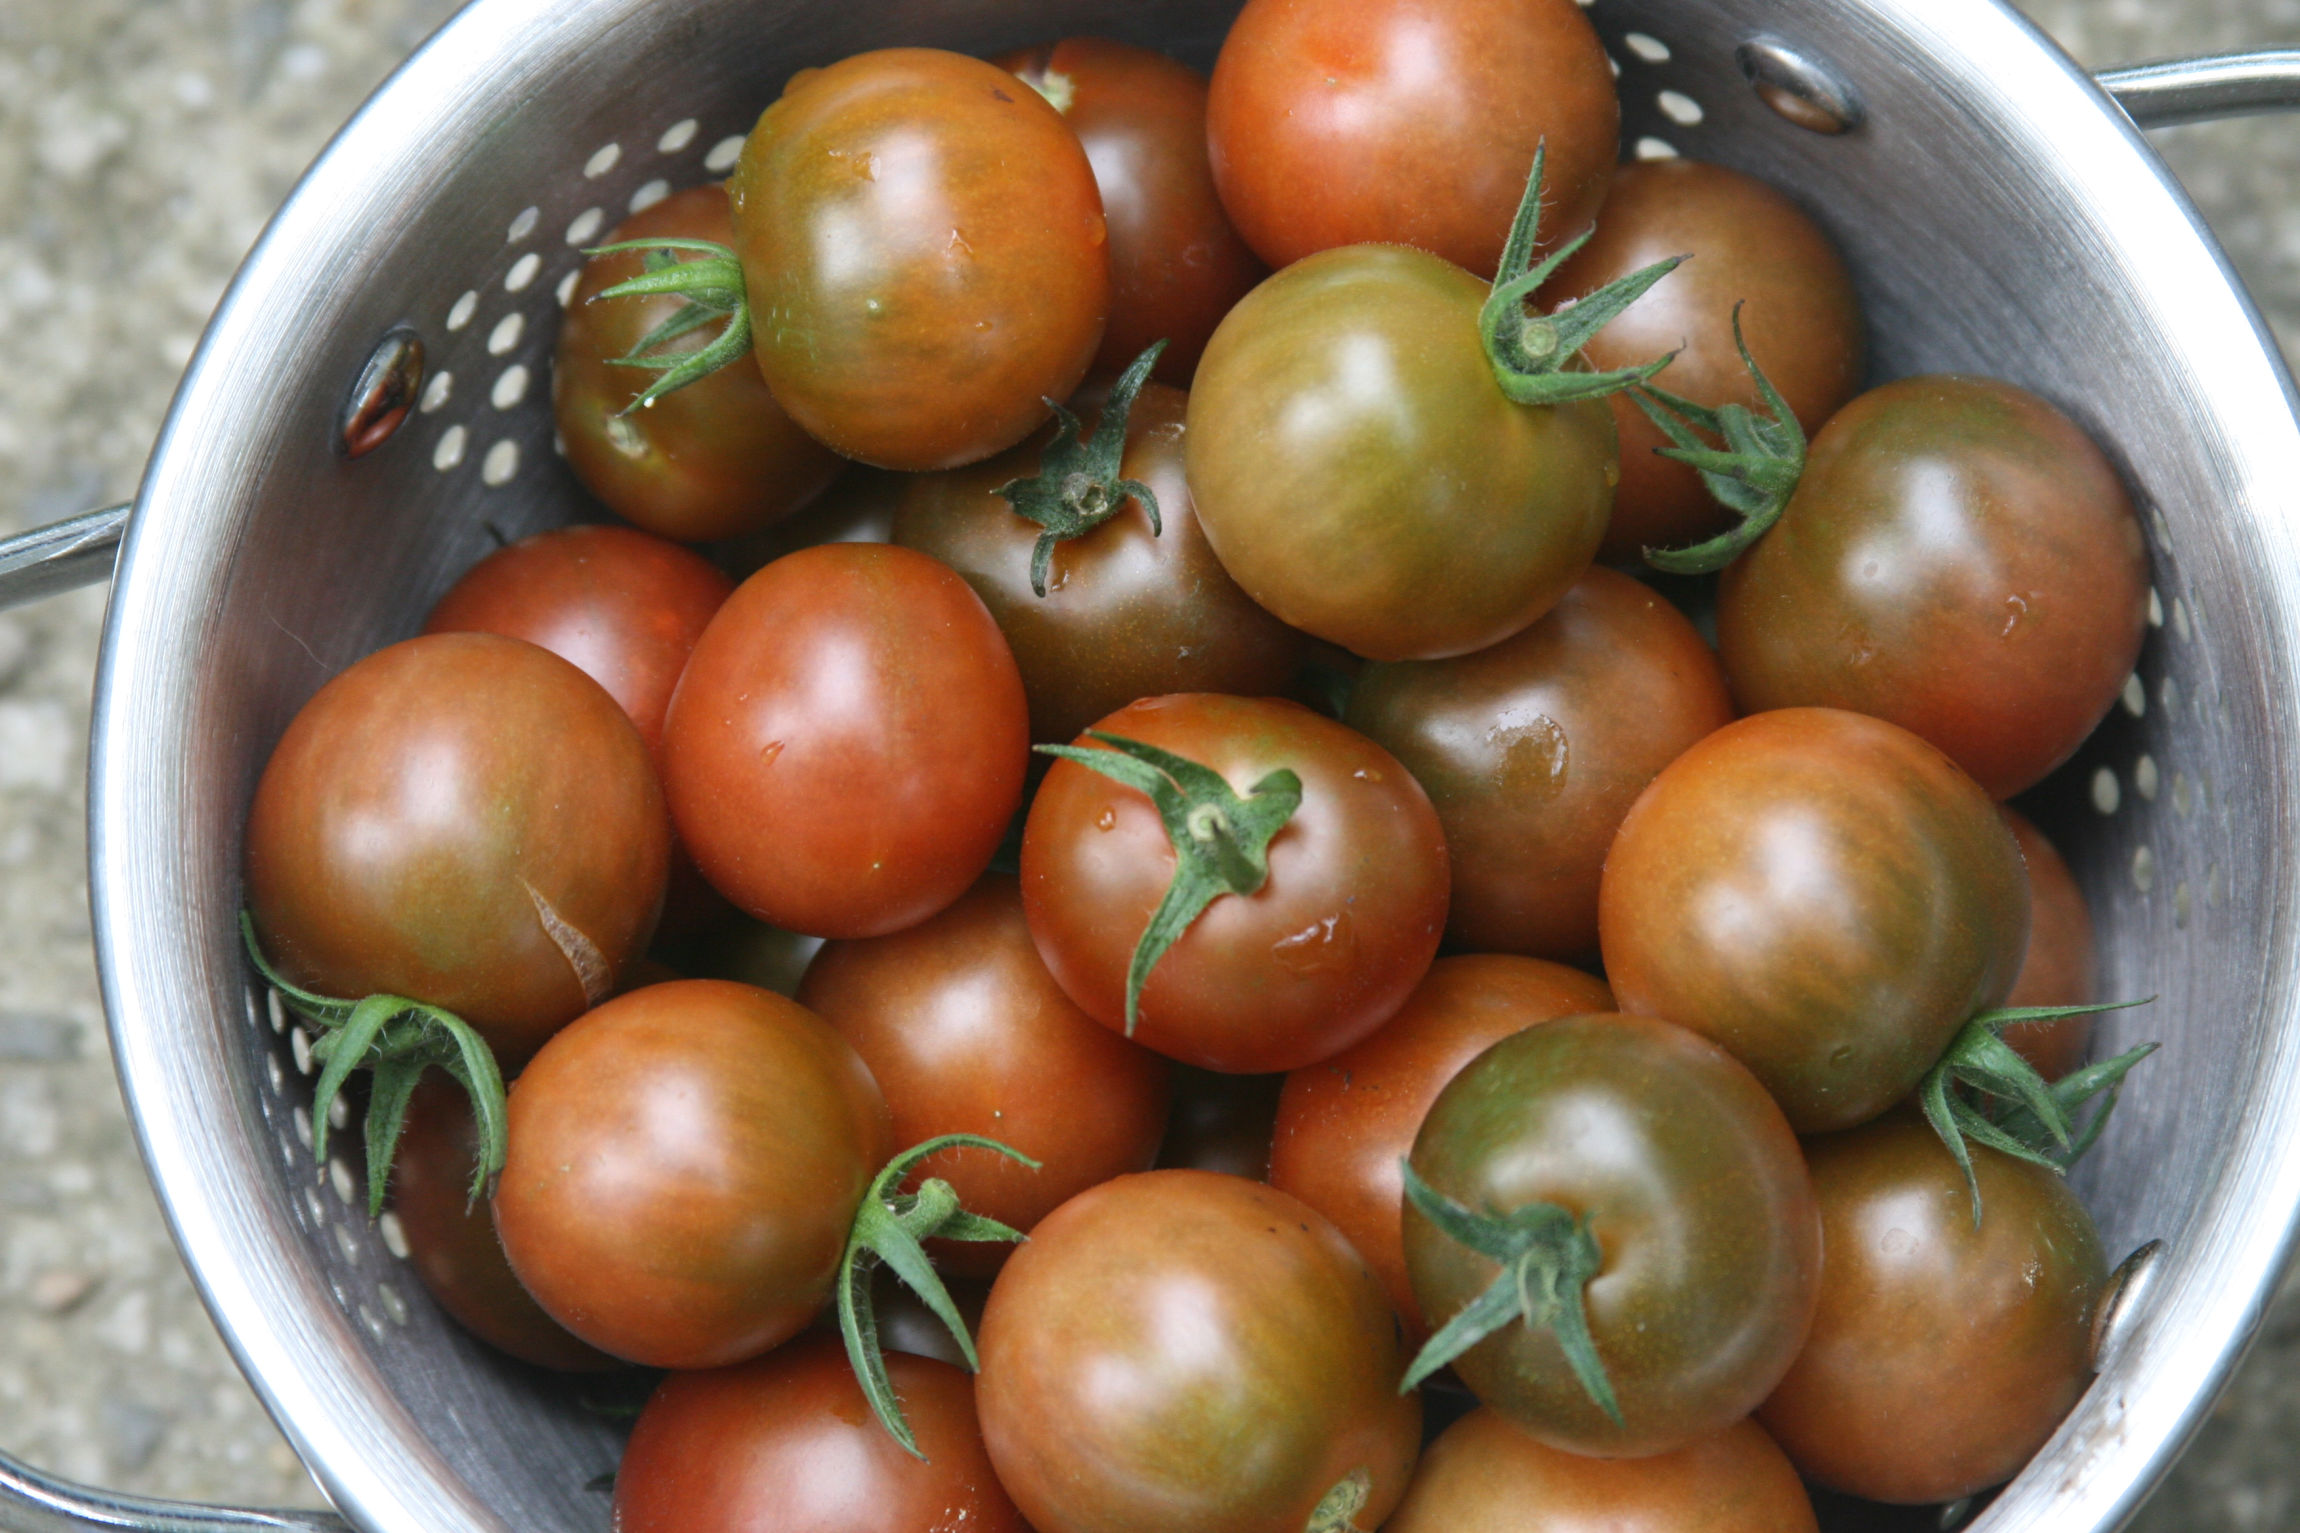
{"x": 300, "y": 1042}
{"x": 724, "y": 153}
{"x": 2135, "y": 695}
{"x": 677, "y": 136}
{"x": 394, "y": 1307}
{"x": 1651, "y": 148}
{"x": 1679, "y": 107}
{"x": 506, "y": 333}
{"x": 501, "y": 464}
{"x": 437, "y": 392}
{"x": 650, "y": 194}
{"x": 522, "y": 272}
{"x": 345, "y": 1245}
{"x": 302, "y": 1120}
{"x": 1649, "y": 49}
{"x": 523, "y": 225}
{"x": 276, "y": 1009}
{"x": 510, "y": 388}
{"x": 2143, "y": 870}
{"x": 2144, "y": 778}
{"x": 603, "y": 159}
{"x": 449, "y": 452}
{"x": 2105, "y": 793}
{"x": 586, "y": 226}
{"x": 465, "y": 307}
{"x": 566, "y": 289}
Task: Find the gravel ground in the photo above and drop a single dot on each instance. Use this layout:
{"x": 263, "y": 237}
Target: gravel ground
{"x": 142, "y": 144}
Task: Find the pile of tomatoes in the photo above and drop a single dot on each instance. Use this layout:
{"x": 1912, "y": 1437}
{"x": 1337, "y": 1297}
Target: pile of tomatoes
{"x": 1242, "y": 767}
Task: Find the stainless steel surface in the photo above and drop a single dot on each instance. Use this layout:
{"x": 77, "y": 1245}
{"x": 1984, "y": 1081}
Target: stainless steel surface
{"x": 2204, "y": 90}
{"x": 61, "y": 556}
{"x": 1798, "y": 87}
{"x": 2124, "y": 1301}
{"x": 2000, "y": 215}
{"x": 31, "y": 1502}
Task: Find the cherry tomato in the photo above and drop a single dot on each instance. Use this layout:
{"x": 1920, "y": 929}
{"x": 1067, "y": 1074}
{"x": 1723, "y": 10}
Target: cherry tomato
{"x": 1534, "y": 750}
{"x": 787, "y": 1444}
{"x": 1361, "y": 474}
{"x": 848, "y": 741}
{"x": 1751, "y": 246}
{"x": 1176, "y": 265}
{"x": 1959, "y": 558}
{"x": 713, "y": 460}
{"x": 465, "y": 820}
{"x": 1695, "y": 1191}
{"x": 684, "y": 1165}
{"x": 1408, "y": 122}
{"x": 2058, "y": 969}
{"x": 1942, "y": 1356}
{"x": 1127, "y": 613}
{"x": 1182, "y": 1349}
{"x": 1320, "y": 956}
{"x": 1824, "y": 894}
{"x": 924, "y": 251}
{"x": 1486, "y": 1476}
{"x": 967, "y": 1033}
{"x": 451, "y": 1240}
{"x": 1344, "y": 1125}
{"x": 1221, "y": 1123}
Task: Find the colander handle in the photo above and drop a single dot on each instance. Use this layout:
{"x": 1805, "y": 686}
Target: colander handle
{"x": 31, "y": 1502}
{"x": 60, "y": 556}
{"x": 2218, "y": 85}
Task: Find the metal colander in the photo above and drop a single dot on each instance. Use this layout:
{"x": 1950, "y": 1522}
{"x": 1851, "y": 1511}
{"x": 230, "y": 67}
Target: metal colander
{"x": 2000, "y": 214}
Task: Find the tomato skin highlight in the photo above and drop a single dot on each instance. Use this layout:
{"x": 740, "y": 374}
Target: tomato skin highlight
{"x": 1361, "y": 474}
{"x": 1959, "y": 558}
{"x": 787, "y": 1444}
{"x": 1408, "y": 122}
{"x": 1533, "y": 751}
{"x": 1700, "y": 1204}
{"x": 1344, "y": 1124}
{"x": 684, "y": 1165}
{"x": 966, "y": 1033}
{"x": 716, "y": 459}
{"x": 924, "y": 249}
{"x": 1825, "y": 895}
{"x": 1942, "y": 1357}
{"x": 1320, "y": 956}
{"x": 848, "y": 741}
{"x": 1182, "y": 1349}
{"x": 409, "y": 824}
{"x": 1485, "y": 1476}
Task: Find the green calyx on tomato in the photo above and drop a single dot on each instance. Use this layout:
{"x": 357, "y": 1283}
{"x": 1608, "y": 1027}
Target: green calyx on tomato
{"x": 889, "y": 1227}
{"x": 398, "y": 1039}
{"x": 1752, "y": 475}
{"x": 1221, "y": 841}
{"x": 1547, "y": 1257}
{"x": 1337, "y": 1511}
{"x": 713, "y": 288}
{"x": 1078, "y": 488}
{"x": 1532, "y": 353}
{"x": 1983, "y": 1090}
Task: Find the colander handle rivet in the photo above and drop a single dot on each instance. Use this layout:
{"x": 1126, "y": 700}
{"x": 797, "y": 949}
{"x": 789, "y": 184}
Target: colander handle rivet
{"x": 1799, "y": 87}
{"x": 384, "y": 393}
{"x": 2122, "y": 1301}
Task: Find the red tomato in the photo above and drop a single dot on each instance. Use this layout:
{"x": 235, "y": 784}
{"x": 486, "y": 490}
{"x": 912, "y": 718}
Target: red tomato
{"x": 1316, "y": 959}
{"x": 848, "y": 741}
{"x": 1486, "y": 1476}
{"x": 685, "y": 1163}
{"x": 967, "y": 1033}
{"x": 1344, "y": 1125}
{"x": 2058, "y": 969}
{"x": 466, "y": 820}
{"x": 925, "y": 256}
{"x": 1176, "y": 265}
{"x": 787, "y": 1444}
{"x": 713, "y": 460}
{"x": 1409, "y": 122}
{"x": 1182, "y": 1349}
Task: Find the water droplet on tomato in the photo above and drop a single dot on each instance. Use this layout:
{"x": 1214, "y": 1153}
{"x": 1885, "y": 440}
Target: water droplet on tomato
{"x": 1106, "y": 820}
{"x": 1842, "y": 1054}
{"x": 1326, "y": 946}
{"x": 1368, "y": 774}
{"x": 2016, "y": 608}
{"x": 1535, "y": 753}
{"x": 769, "y": 751}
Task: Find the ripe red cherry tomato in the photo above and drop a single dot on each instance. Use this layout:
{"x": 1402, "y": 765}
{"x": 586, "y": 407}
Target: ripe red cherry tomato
{"x": 1320, "y": 956}
{"x": 1127, "y": 613}
{"x": 1344, "y": 1124}
{"x": 1690, "y": 1182}
{"x": 1346, "y": 122}
{"x": 1534, "y": 750}
{"x": 967, "y": 1033}
{"x": 715, "y": 459}
{"x": 1824, "y": 894}
{"x": 684, "y": 1165}
{"x": 1486, "y": 1476}
{"x": 1990, "y": 1328}
{"x": 466, "y": 820}
{"x": 786, "y": 1444}
{"x": 2058, "y": 969}
{"x": 1958, "y": 558}
{"x": 1182, "y": 1349}
{"x": 924, "y": 251}
{"x": 1751, "y": 246}
{"x": 848, "y": 741}
{"x": 1176, "y": 265}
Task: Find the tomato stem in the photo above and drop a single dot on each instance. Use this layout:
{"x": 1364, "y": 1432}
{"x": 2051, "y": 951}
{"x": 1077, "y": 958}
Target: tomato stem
{"x": 397, "y": 1039}
{"x": 1337, "y": 1511}
{"x": 1221, "y": 841}
{"x": 1547, "y": 1256}
{"x": 1752, "y": 475}
{"x": 713, "y": 289}
{"x": 890, "y": 1226}
{"x": 1533, "y": 354}
{"x": 1983, "y": 1091}
{"x": 1077, "y": 487}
